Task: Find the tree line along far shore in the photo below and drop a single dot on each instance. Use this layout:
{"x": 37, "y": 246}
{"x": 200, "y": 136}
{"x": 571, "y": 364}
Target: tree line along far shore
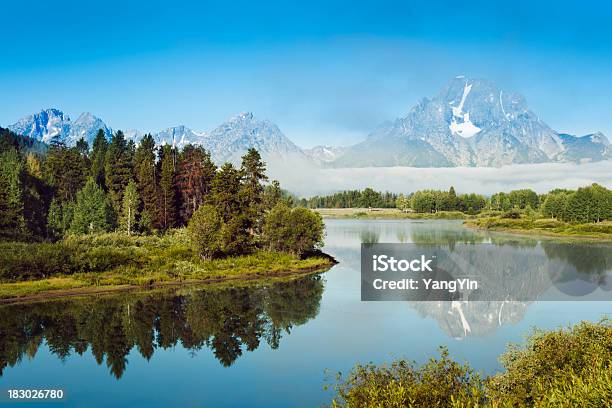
{"x": 47, "y": 193}
{"x": 589, "y": 204}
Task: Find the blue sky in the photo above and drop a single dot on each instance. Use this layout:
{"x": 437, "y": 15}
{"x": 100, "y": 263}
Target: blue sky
{"x": 327, "y": 72}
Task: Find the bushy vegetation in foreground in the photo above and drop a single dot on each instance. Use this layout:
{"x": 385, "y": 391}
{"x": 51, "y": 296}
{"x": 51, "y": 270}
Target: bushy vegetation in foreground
{"x": 80, "y": 261}
{"x": 560, "y": 368}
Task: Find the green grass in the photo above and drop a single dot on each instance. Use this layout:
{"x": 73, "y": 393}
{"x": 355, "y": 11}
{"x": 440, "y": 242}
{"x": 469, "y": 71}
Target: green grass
{"x": 106, "y": 261}
{"x": 544, "y": 226}
{"x": 386, "y": 213}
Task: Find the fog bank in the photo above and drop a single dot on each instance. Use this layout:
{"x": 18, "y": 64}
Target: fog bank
{"x": 484, "y": 180}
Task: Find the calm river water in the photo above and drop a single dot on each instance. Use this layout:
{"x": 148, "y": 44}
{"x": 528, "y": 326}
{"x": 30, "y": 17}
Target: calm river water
{"x": 278, "y": 345}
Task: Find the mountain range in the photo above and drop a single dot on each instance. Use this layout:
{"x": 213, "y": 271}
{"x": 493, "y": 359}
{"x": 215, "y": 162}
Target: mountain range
{"x": 470, "y": 122}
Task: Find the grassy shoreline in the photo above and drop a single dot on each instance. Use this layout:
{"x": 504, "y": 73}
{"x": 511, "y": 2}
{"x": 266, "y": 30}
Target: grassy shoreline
{"x": 110, "y": 262}
{"x": 523, "y": 226}
{"x": 543, "y": 227}
{"x": 56, "y": 288}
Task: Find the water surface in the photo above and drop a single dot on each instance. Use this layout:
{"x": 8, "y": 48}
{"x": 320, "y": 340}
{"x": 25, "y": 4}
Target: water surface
{"x": 271, "y": 345}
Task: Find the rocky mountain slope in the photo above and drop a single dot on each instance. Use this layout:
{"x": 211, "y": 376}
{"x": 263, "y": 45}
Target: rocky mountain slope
{"x": 471, "y": 123}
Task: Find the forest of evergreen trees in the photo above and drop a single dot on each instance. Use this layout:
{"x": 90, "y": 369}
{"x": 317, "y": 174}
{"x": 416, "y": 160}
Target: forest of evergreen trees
{"x": 367, "y": 198}
{"x": 118, "y": 185}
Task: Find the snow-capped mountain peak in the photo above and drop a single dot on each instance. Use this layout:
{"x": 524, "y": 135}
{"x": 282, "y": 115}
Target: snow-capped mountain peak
{"x": 470, "y": 122}
{"x": 50, "y": 124}
{"x": 44, "y": 125}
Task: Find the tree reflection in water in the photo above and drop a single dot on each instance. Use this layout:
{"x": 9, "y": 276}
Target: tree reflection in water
{"x": 225, "y": 320}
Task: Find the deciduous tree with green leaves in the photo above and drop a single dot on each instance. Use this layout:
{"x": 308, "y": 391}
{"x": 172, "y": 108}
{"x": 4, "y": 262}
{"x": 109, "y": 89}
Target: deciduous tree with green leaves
{"x": 130, "y": 208}
{"x": 296, "y": 230}
{"x": 204, "y": 231}
{"x": 92, "y": 212}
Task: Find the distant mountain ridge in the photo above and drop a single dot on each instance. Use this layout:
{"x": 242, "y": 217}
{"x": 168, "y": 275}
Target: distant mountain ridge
{"x": 52, "y": 123}
{"x": 470, "y": 122}
{"x": 227, "y": 142}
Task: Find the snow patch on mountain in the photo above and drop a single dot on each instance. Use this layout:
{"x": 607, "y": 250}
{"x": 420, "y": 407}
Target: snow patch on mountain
{"x": 324, "y": 154}
{"x": 460, "y": 122}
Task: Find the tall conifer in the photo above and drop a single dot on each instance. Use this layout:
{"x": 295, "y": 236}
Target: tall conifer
{"x": 194, "y": 178}
{"x": 117, "y": 169}
{"x": 167, "y": 187}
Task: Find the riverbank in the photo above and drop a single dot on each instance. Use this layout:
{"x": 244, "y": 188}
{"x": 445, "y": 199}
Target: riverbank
{"x": 387, "y": 213}
{"x": 113, "y": 262}
{"x": 543, "y": 227}
{"x": 563, "y": 367}
{"x": 520, "y": 226}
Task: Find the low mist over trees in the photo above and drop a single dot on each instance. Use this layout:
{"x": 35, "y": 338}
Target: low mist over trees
{"x": 116, "y": 185}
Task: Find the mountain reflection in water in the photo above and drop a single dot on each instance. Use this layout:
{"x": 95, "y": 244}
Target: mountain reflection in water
{"x": 516, "y": 270}
{"x": 228, "y": 321}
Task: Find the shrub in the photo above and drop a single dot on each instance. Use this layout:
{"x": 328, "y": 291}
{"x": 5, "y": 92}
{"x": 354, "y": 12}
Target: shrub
{"x": 438, "y": 383}
{"x": 21, "y": 261}
{"x": 295, "y": 231}
{"x": 551, "y": 362}
{"x": 235, "y": 238}
{"x": 512, "y": 214}
{"x": 565, "y": 368}
{"x": 29, "y": 261}
{"x": 204, "y": 231}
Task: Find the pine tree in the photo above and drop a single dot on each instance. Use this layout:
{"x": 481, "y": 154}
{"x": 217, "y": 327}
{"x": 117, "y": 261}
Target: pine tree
{"x": 59, "y": 218}
{"x": 92, "y": 211}
{"x": 253, "y": 172}
{"x": 225, "y": 192}
{"x": 195, "y": 174}
{"x": 117, "y": 169}
{"x": 452, "y": 200}
{"x": 272, "y": 195}
{"x": 146, "y": 175}
{"x": 65, "y": 170}
{"x": 98, "y": 157}
{"x": 130, "y": 208}
{"x": 82, "y": 148}
{"x": 12, "y": 220}
{"x": 167, "y": 188}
